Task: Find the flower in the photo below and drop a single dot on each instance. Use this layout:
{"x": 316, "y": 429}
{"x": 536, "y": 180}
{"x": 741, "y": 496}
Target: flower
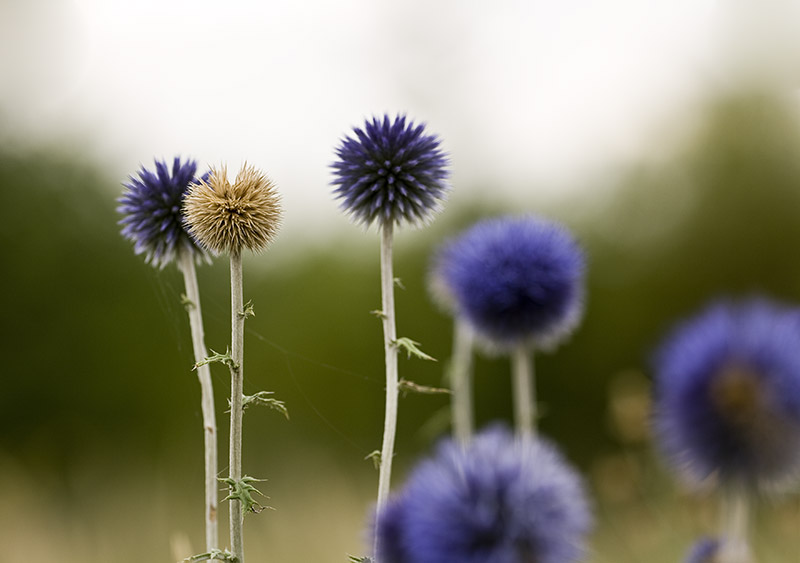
{"x": 500, "y": 499}
{"x": 227, "y": 217}
{"x": 151, "y": 205}
{"x": 515, "y": 280}
{"x": 704, "y": 551}
{"x": 390, "y": 171}
{"x": 728, "y": 394}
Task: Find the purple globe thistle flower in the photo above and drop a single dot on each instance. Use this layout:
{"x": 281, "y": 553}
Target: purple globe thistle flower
{"x": 390, "y": 171}
{"x": 498, "y": 500}
{"x": 152, "y": 216}
{"x": 728, "y": 394}
{"x": 516, "y": 280}
{"x": 704, "y": 551}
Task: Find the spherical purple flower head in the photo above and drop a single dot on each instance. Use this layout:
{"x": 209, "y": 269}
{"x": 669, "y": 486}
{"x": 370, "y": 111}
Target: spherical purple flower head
{"x": 390, "y": 171}
{"x": 516, "y": 280}
{"x": 704, "y": 551}
{"x": 151, "y": 205}
{"x": 728, "y": 394}
{"x": 499, "y": 500}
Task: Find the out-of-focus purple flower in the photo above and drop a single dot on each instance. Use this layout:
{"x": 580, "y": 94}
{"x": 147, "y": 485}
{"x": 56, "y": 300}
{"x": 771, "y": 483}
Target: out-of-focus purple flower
{"x": 515, "y": 280}
{"x": 151, "y": 209}
{"x": 728, "y": 394}
{"x": 704, "y": 551}
{"x": 390, "y": 171}
{"x": 500, "y": 499}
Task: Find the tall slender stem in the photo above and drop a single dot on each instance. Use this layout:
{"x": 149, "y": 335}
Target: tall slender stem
{"x": 390, "y": 348}
{"x": 461, "y": 382}
{"x": 524, "y": 391}
{"x": 735, "y": 510}
{"x": 237, "y": 391}
{"x": 186, "y": 266}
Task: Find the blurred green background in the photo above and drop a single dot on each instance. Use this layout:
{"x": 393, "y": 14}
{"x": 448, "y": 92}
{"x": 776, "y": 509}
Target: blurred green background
{"x": 100, "y": 428}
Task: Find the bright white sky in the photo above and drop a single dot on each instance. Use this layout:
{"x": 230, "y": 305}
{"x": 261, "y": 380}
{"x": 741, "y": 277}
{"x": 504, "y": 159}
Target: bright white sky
{"x": 525, "y": 93}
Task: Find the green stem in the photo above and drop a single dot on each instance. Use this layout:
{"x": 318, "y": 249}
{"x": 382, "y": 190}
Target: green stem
{"x": 187, "y": 268}
{"x": 735, "y": 511}
{"x": 524, "y": 392}
{"x": 461, "y": 382}
{"x": 389, "y": 338}
{"x": 237, "y": 393}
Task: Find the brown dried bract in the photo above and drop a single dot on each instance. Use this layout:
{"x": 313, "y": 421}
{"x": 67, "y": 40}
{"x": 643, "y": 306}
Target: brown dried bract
{"x": 227, "y": 217}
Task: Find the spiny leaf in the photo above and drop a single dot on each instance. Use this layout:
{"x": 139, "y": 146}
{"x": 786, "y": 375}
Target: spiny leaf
{"x": 407, "y": 386}
{"x": 242, "y": 490}
{"x": 412, "y": 348}
{"x": 247, "y": 311}
{"x": 354, "y": 559}
{"x": 263, "y": 399}
{"x": 375, "y": 456}
{"x": 187, "y": 303}
{"x": 378, "y": 313}
{"x": 399, "y": 283}
{"x": 217, "y": 357}
{"x": 213, "y": 555}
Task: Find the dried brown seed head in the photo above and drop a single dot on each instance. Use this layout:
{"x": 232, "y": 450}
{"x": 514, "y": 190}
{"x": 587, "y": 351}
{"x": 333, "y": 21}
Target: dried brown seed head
{"x": 227, "y": 217}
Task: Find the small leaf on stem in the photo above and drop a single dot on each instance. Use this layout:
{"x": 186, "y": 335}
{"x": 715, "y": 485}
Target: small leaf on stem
{"x": 217, "y": 357}
{"x": 407, "y": 386}
{"x": 213, "y": 555}
{"x": 242, "y": 490}
{"x": 375, "y": 456}
{"x": 247, "y": 311}
{"x": 412, "y": 348}
{"x": 262, "y": 398}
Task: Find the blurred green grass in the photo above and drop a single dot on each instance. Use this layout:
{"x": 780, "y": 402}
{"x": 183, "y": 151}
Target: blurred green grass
{"x": 100, "y": 442}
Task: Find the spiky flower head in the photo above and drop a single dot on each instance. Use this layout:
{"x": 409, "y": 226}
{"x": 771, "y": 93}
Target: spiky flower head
{"x": 728, "y": 394}
{"x": 704, "y": 550}
{"x": 500, "y": 499}
{"x": 391, "y": 171}
{"x": 151, "y": 209}
{"x": 227, "y": 218}
{"x": 515, "y": 280}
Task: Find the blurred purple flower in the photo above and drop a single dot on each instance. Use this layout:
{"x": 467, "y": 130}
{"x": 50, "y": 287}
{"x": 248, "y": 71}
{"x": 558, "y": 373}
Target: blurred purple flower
{"x": 515, "y": 279}
{"x": 390, "y": 171}
{"x": 728, "y": 394}
{"x": 704, "y": 551}
{"x": 500, "y": 499}
{"x": 151, "y": 209}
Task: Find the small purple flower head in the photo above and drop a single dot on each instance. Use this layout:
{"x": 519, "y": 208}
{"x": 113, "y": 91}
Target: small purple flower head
{"x": 704, "y": 551}
{"x": 500, "y": 499}
{"x": 152, "y": 216}
{"x": 515, "y": 280}
{"x": 390, "y": 171}
{"x": 728, "y": 394}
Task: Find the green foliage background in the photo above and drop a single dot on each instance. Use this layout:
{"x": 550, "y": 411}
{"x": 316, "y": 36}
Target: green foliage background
{"x": 100, "y": 440}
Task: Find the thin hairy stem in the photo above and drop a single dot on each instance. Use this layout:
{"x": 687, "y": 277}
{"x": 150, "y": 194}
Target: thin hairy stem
{"x": 461, "y": 382}
{"x": 389, "y": 338}
{"x": 524, "y": 391}
{"x": 186, "y": 266}
{"x": 237, "y": 393}
{"x": 734, "y": 547}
